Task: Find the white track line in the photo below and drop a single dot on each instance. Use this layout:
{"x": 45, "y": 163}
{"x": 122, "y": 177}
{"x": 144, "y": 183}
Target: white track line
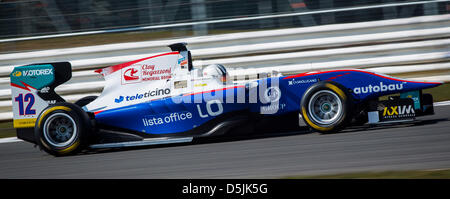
{"x": 10, "y": 140}
{"x": 15, "y": 139}
{"x": 444, "y": 103}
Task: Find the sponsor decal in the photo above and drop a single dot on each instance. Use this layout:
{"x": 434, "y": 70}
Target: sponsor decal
{"x": 272, "y": 94}
{"x": 145, "y": 72}
{"x": 34, "y": 72}
{"x": 209, "y": 109}
{"x": 273, "y": 108}
{"x": 51, "y": 101}
{"x": 378, "y": 88}
{"x": 156, "y": 74}
{"x": 180, "y": 84}
{"x": 414, "y": 95}
{"x": 200, "y": 84}
{"x": 17, "y": 74}
{"x": 182, "y": 61}
{"x": 168, "y": 118}
{"x": 45, "y": 89}
{"x": 24, "y": 123}
{"x": 398, "y": 111}
{"x": 303, "y": 81}
{"x": 156, "y": 92}
{"x": 118, "y": 100}
{"x": 130, "y": 74}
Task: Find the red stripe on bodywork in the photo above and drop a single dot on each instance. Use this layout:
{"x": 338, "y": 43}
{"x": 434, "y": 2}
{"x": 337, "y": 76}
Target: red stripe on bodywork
{"x": 117, "y": 67}
{"x": 25, "y": 87}
{"x": 98, "y": 70}
{"x": 97, "y": 112}
{"x": 382, "y": 76}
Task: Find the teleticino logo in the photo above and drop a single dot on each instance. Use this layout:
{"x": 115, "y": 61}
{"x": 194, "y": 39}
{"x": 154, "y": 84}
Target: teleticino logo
{"x": 378, "y": 88}
{"x": 156, "y": 92}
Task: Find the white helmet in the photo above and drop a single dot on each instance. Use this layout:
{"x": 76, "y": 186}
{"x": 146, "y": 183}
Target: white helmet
{"x": 216, "y": 71}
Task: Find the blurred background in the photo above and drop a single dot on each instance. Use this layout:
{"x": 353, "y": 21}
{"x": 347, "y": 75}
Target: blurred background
{"x": 40, "y": 17}
{"x": 402, "y": 38}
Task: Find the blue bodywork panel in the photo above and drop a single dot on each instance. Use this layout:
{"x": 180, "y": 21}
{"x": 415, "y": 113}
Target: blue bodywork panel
{"x": 273, "y": 96}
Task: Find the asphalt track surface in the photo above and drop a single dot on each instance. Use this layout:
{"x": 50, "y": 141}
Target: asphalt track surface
{"x": 424, "y": 145}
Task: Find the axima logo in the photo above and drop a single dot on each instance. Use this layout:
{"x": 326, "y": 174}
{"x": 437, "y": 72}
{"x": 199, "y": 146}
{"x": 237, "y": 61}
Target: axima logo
{"x": 398, "y": 111}
{"x": 378, "y": 88}
{"x": 156, "y": 92}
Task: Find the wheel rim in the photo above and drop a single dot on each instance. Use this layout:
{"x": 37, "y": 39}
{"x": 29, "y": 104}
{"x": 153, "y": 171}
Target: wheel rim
{"x": 60, "y": 129}
{"x": 325, "y": 107}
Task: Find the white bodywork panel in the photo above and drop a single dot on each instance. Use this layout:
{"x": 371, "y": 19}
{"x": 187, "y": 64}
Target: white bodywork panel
{"x": 148, "y": 79}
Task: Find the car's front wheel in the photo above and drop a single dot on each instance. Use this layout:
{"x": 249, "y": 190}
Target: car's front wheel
{"x": 326, "y": 107}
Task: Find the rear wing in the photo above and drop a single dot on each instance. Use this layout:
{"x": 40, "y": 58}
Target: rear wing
{"x": 33, "y": 89}
{"x": 185, "y": 53}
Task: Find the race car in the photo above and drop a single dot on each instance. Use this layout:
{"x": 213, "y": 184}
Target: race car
{"x": 163, "y": 99}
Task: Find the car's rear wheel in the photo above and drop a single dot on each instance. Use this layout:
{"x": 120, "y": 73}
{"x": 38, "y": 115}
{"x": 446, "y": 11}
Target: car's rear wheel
{"x": 62, "y": 129}
{"x": 326, "y": 107}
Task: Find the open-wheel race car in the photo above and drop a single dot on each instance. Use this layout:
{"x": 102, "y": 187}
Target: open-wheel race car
{"x": 163, "y": 99}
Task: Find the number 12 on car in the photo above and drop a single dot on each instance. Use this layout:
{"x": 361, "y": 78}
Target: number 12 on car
{"x": 21, "y": 100}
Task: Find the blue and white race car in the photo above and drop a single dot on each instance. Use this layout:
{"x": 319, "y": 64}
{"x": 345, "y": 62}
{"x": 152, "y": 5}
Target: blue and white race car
{"x": 164, "y": 99}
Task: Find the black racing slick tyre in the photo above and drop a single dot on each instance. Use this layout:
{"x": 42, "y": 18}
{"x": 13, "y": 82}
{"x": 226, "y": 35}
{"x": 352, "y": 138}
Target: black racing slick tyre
{"x": 62, "y": 129}
{"x": 326, "y": 107}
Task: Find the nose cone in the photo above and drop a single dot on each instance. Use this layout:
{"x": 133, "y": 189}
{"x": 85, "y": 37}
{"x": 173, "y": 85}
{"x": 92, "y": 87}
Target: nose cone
{"x": 427, "y": 84}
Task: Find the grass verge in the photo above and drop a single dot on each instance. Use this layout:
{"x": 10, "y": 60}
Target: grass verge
{"x": 425, "y": 174}
{"x": 7, "y": 130}
{"x": 440, "y": 93}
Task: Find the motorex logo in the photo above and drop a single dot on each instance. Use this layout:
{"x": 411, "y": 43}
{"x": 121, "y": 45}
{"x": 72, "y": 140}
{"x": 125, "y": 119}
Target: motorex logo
{"x": 378, "y": 88}
{"x": 17, "y": 74}
{"x": 34, "y": 72}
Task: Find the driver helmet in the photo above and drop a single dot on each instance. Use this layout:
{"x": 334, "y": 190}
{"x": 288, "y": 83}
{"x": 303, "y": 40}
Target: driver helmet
{"x": 216, "y": 71}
